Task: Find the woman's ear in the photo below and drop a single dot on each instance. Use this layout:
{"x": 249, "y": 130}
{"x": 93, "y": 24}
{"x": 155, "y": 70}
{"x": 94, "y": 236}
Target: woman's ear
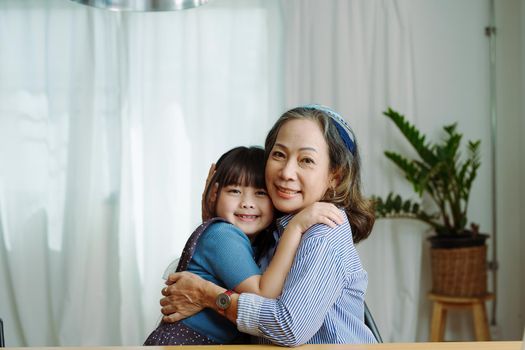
{"x": 335, "y": 180}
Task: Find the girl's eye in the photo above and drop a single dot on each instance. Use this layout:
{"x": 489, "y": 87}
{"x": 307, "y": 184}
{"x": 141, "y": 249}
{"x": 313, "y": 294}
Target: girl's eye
{"x": 261, "y": 193}
{"x": 234, "y": 190}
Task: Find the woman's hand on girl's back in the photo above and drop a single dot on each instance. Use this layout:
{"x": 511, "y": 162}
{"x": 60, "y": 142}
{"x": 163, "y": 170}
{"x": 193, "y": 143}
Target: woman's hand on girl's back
{"x": 183, "y": 296}
{"x": 318, "y": 213}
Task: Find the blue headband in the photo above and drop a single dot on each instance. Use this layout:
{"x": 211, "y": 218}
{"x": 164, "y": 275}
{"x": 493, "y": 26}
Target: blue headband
{"x": 344, "y": 130}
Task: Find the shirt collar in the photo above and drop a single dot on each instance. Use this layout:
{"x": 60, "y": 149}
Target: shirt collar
{"x": 282, "y": 222}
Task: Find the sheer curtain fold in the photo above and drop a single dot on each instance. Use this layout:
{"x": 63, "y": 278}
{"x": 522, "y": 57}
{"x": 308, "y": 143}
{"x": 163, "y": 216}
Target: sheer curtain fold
{"x": 108, "y": 123}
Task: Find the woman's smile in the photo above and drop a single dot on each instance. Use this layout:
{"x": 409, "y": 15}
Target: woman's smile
{"x": 286, "y": 193}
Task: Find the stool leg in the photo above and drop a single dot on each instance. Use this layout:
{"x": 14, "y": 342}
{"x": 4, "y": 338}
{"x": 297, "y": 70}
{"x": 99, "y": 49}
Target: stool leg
{"x": 481, "y": 325}
{"x": 437, "y": 325}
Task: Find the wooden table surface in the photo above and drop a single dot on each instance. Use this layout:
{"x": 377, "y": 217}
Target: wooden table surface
{"x": 496, "y": 345}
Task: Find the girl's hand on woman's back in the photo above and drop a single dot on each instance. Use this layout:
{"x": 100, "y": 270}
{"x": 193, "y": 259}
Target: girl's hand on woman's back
{"x": 317, "y": 213}
{"x": 206, "y": 215}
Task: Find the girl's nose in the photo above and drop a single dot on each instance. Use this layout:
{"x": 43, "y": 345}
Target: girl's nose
{"x": 246, "y": 204}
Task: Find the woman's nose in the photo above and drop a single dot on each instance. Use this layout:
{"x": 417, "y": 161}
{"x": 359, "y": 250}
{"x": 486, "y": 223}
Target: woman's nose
{"x": 288, "y": 171}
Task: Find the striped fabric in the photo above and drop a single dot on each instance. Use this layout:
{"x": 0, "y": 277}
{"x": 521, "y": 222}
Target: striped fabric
{"x": 323, "y": 298}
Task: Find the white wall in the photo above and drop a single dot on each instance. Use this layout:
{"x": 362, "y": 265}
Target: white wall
{"x": 452, "y": 85}
{"x": 510, "y": 72}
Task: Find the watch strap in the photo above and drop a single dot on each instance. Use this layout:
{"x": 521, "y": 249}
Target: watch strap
{"x": 223, "y": 301}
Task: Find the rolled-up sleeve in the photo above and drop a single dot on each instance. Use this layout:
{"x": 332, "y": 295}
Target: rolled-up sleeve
{"x": 249, "y": 306}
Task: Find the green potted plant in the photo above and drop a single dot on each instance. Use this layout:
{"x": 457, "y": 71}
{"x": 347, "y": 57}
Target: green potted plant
{"x": 458, "y": 250}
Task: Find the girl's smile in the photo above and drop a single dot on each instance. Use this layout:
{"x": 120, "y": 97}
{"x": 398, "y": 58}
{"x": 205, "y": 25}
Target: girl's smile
{"x": 247, "y": 218}
{"x": 247, "y": 207}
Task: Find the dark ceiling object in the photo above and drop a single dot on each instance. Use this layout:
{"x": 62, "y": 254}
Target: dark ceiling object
{"x": 143, "y": 5}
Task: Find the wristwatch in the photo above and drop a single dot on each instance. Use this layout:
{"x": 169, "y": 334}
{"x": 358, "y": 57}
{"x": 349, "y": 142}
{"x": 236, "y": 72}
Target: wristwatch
{"x": 224, "y": 300}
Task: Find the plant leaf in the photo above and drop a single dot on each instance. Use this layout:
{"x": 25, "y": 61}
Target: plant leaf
{"x": 412, "y": 134}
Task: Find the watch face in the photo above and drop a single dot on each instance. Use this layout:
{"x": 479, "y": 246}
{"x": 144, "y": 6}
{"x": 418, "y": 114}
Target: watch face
{"x": 223, "y": 301}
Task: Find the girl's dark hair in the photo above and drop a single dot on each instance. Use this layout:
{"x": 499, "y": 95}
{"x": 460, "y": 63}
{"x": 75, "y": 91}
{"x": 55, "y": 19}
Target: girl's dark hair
{"x": 343, "y": 163}
{"x": 239, "y": 166}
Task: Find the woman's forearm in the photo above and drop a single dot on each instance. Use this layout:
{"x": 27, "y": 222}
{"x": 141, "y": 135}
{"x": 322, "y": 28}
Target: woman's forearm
{"x": 209, "y": 297}
{"x": 187, "y": 294}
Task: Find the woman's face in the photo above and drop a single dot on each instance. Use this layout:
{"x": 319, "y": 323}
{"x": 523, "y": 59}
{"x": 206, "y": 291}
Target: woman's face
{"x": 298, "y": 168}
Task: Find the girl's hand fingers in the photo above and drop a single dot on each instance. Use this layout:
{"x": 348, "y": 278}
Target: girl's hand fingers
{"x": 332, "y": 213}
{"x": 204, "y": 213}
{"x": 337, "y": 216}
{"x": 329, "y": 222}
{"x": 333, "y": 220}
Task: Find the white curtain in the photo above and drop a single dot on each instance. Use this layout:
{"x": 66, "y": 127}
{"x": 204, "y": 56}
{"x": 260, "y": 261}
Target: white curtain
{"x": 109, "y": 121}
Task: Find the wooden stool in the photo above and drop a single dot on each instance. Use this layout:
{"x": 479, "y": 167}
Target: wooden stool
{"x": 439, "y": 314}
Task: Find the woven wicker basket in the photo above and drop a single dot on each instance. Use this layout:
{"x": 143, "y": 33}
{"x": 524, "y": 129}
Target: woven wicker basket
{"x": 459, "y": 272}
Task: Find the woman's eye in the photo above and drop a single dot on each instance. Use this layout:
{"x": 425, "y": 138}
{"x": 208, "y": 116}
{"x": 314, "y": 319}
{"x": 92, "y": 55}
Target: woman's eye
{"x": 308, "y": 161}
{"x": 277, "y": 154}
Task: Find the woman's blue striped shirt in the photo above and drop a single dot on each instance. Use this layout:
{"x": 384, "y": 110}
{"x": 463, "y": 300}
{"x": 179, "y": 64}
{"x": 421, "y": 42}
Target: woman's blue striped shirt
{"x": 323, "y": 297}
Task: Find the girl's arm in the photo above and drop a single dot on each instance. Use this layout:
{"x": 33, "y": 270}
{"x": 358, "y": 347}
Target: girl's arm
{"x": 270, "y": 283}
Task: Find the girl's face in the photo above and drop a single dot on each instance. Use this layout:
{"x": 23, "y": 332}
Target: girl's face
{"x": 298, "y": 167}
{"x": 248, "y": 208}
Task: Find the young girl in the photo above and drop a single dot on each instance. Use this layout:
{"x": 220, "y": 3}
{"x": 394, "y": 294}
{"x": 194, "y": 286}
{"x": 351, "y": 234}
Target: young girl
{"x": 221, "y": 249}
